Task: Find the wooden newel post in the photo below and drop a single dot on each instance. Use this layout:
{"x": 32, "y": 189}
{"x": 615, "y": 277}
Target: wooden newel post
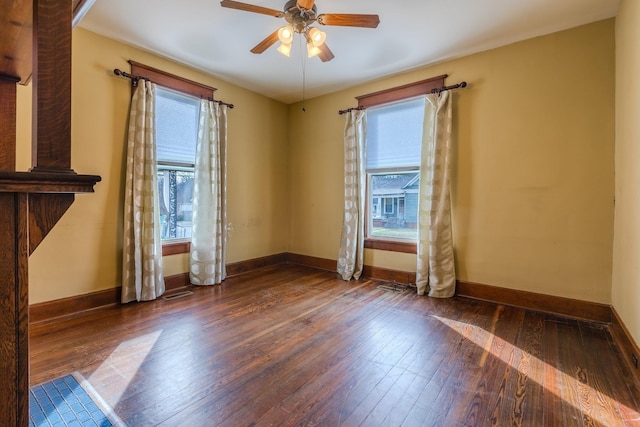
{"x": 8, "y": 125}
{"x": 51, "y": 139}
{"x": 14, "y": 307}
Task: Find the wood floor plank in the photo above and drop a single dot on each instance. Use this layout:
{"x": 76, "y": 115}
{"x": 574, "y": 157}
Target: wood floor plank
{"x": 289, "y": 345}
{"x": 529, "y": 391}
{"x": 552, "y": 400}
{"x": 486, "y": 392}
{"x": 569, "y": 365}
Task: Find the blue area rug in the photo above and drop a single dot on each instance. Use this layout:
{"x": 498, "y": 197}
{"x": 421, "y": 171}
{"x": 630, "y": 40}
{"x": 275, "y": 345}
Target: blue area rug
{"x": 69, "y": 402}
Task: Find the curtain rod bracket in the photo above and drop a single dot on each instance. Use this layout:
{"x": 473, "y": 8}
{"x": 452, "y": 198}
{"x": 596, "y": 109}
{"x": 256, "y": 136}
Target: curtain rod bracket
{"x": 231, "y": 106}
{"x": 341, "y": 112}
{"x": 443, "y": 88}
{"x": 134, "y": 79}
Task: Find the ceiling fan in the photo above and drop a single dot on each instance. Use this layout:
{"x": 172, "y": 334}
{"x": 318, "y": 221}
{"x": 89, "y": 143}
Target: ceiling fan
{"x": 300, "y": 15}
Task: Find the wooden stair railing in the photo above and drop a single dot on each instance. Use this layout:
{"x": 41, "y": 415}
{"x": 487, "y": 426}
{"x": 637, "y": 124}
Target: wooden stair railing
{"x": 35, "y": 45}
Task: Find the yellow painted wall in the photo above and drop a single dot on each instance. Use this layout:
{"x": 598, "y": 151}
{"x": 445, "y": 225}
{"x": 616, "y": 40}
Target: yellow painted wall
{"x": 626, "y": 247}
{"x": 82, "y": 254}
{"x": 533, "y": 179}
{"x": 533, "y": 187}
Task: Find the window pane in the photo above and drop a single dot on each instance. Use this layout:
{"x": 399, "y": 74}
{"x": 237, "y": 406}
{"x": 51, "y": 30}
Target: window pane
{"x": 175, "y": 190}
{"x": 397, "y": 217}
{"x": 394, "y": 141}
{"x": 176, "y": 126}
{"x": 394, "y": 134}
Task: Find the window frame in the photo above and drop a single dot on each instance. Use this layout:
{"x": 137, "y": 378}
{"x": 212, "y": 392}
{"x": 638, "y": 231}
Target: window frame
{"x": 387, "y": 96}
{"x": 178, "y": 84}
{"x": 176, "y": 165}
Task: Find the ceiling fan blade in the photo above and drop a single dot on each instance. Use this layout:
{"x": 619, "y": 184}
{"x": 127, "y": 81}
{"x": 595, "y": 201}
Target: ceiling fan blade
{"x": 251, "y": 8}
{"x": 266, "y": 43}
{"x": 349, "y": 20}
{"x": 305, "y": 4}
{"x": 325, "y": 54}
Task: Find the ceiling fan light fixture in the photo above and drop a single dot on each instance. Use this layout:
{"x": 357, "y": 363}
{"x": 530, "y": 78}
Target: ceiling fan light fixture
{"x": 312, "y": 50}
{"x": 285, "y": 34}
{"x": 300, "y": 15}
{"x": 285, "y": 49}
{"x": 317, "y": 37}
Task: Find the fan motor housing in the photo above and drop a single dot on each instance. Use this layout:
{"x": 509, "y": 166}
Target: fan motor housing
{"x": 299, "y": 19}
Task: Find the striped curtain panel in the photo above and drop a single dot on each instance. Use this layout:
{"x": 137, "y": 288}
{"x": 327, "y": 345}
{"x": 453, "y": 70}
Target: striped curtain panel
{"x": 209, "y": 222}
{"x": 142, "y": 278}
{"x": 435, "y": 265}
{"x": 351, "y": 253}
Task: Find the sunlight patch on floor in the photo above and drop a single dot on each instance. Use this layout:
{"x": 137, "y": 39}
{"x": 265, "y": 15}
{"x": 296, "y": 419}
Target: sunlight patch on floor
{"x": 115, "y": 374}
{"x": 489, "y": 342}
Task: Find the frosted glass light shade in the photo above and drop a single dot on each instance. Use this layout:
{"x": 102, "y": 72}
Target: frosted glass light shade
{"x": 285, "y": 34}
{"x": 312, "y": 50}
{"x": 285, "y": 49}
{"x": 317, "y": 37}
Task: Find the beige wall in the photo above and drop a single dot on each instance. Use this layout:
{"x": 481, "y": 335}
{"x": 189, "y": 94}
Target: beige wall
{"x": 534, "y": 170}
{"x": 626, "y": 248}
{"x": 82, "y": 253}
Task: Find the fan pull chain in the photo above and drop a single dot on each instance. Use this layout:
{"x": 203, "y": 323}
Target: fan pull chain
{"x": 303, "y": 60}
{"x": 304, "y": 90}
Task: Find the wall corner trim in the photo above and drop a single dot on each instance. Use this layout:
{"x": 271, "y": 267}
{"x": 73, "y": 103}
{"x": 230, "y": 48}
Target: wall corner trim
{"x": 625, "y": 343}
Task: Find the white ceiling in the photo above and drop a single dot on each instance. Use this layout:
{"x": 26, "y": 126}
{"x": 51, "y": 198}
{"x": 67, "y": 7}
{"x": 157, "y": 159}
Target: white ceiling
{"x": 412, "y": 33}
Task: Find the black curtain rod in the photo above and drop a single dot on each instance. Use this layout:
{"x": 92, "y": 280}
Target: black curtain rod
{"x": 134, "y": 82}
{"x": 436, "y": 90}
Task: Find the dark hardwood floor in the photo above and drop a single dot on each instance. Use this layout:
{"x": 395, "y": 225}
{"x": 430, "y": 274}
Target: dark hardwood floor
{"x": 289, "y": 345}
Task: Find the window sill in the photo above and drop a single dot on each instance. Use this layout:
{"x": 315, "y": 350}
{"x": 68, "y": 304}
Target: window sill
{"x": 174, "y": 248}
{"x": 391, "y": 245}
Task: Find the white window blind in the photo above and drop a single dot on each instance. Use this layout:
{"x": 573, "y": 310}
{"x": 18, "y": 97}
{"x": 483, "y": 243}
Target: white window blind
{"x": 394, "y": 134}
{"x": 176, "y": 126}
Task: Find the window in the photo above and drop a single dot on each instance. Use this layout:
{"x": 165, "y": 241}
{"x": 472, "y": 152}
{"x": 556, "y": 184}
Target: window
{"x": 176, "y": 137}
{"x": 388, "y": 205}
{"x": 177, "y": 114}
{"x": 394, "y": 140}
{"x": 375, "y": 207}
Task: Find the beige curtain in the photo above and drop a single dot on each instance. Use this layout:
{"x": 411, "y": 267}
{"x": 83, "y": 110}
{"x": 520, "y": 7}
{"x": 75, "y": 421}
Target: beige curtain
{"x": 436, "y": 268}
{"x": 142, "y": 278}
{"x": 350, "y": 255}
{"x": 209, "y": 222}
